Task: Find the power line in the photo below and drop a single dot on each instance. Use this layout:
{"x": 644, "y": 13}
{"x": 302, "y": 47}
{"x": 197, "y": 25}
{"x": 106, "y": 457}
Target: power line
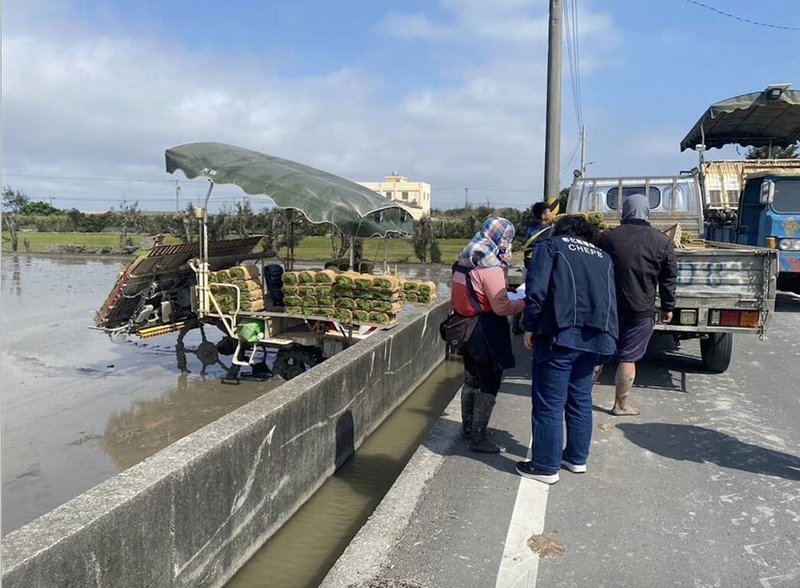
{"x": 437, "y": 189}
{"x": 574, "y": 151}
{"x": 573, "y": 58}
{"x": 742, "y": 19}
{"x": 44, "y": 177}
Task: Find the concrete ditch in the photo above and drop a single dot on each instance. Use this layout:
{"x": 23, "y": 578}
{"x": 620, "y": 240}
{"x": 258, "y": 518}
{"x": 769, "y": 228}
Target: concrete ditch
{"x": 194, "y": 513}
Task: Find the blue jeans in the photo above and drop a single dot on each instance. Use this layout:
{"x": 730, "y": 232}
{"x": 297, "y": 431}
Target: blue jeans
{"x": 562, "y": 390}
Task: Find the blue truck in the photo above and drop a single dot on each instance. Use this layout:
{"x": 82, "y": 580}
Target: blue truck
{"x": 765, "y": 213}
{"x": 754, "y": 201}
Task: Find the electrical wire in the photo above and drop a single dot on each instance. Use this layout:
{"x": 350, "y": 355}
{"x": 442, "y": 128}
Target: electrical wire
{"x": 742, "y": 19}
{"x": 574, "y": 151}
{"x": 221, "y": 198}
{"x": 85, "y": 179}
{"x": 573, "y": 58}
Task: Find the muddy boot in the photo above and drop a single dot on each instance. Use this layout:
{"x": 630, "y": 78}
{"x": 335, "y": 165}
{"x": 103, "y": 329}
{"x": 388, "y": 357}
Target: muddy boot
{"x": 468, "y": 393}
{"x": 484, "y": 403}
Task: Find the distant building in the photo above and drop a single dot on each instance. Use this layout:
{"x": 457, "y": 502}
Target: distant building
{"x": 416, "y": 196}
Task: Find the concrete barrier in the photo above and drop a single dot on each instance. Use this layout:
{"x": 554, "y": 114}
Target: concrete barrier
{"x": 195, "y": 512}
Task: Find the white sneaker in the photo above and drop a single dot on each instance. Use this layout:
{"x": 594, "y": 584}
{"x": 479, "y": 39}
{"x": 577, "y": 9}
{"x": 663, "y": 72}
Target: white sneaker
{"x": 574, "y": 468}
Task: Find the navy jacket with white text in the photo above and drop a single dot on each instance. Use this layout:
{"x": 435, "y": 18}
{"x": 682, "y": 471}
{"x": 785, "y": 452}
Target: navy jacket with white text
{"x": 570, "y": 283}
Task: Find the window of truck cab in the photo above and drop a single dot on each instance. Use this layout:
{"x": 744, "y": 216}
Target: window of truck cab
{"x": 787, "y": 195}
{"x": 612, "y": 196}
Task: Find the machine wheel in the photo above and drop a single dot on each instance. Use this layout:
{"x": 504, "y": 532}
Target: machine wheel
{"x": 293, "y": 362}
{"x": 207, "y": 353}
{"x": 716, "y": 351}
{"x": 226, "y": 346}
{"x": 294, "y": 370}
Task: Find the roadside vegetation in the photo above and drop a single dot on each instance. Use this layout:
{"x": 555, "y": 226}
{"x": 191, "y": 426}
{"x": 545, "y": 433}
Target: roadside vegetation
{"x": 308, "y": 249}
{"x": 38, "y": 227}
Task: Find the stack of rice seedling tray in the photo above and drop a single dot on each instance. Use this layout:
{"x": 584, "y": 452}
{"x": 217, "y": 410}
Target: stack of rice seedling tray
{"x": 418, "y": 291}
{"x": 246, "y": 278}
{"x": 347, "y": 297}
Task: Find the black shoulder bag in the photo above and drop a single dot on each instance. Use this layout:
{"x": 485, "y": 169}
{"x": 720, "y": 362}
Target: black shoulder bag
{"x": 457, "y": 329}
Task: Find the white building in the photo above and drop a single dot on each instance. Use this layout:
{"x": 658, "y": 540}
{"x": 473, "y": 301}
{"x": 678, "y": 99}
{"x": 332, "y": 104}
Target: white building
{"x": 416, "y": 196}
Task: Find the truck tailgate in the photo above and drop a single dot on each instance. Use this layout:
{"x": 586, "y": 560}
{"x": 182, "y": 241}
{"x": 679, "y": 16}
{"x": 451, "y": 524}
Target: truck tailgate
{"x": 720, "y": 277}
{"x": 722, "y": 270}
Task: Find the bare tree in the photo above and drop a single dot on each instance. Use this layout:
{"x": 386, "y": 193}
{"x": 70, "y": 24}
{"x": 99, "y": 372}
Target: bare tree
{"x": 13, "y": 202}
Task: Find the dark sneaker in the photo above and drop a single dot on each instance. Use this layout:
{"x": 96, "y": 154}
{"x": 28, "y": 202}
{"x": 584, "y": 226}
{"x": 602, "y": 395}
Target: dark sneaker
{"x": 526, "y": 470}
{"x": 574, "y": 468}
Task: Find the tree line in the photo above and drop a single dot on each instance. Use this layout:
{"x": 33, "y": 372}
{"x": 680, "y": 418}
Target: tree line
{"x": 21, "y": 213}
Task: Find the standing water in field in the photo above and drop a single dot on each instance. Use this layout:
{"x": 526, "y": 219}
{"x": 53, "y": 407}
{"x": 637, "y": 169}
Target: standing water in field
{"x": 78, "y": 408}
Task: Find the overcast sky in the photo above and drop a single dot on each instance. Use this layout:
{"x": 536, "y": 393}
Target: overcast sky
{"x": 450, "y": 92}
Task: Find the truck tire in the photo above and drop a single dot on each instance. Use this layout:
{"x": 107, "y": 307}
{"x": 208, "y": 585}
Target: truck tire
{"x": 716, "y": 352}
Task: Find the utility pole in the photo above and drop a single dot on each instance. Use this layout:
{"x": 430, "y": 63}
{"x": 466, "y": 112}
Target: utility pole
{"x": 123, "y": 239}
{"x": 552, "y": 148}
{"x": 583, "y": 151}
{"x": 177, "y": 196}
{"x": 466, "y": 196}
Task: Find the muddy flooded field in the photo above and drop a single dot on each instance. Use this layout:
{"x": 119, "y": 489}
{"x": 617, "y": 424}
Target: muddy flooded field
{"x": 76, "y": 407}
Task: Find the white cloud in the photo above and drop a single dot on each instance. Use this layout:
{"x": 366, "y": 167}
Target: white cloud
{"x": 89, "y": 104}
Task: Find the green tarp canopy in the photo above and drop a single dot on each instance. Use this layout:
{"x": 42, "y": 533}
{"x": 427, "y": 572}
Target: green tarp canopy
{"x": 320, "y": 196}
{"x": 759, "y": 119}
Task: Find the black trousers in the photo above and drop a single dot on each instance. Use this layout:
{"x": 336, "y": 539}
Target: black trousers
{"x": 483, "y": 375}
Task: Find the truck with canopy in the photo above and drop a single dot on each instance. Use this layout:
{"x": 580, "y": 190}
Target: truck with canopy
{"x": 753, "y": 201}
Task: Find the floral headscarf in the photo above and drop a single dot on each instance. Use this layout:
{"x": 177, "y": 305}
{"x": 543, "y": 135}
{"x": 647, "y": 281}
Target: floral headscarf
{"x": 491, "y": 246}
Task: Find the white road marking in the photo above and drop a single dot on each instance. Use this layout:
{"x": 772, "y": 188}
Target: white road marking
{"x": 519, "y": 566}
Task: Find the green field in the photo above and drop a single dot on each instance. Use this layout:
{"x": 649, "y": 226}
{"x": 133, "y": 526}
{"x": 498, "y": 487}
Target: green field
{"x": 310, "y": 248}
{"x": 397, "y": 250}
{"x": 93, "y": 242}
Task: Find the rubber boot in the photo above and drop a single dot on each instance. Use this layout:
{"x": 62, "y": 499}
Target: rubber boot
{"x": 468, "y": 392}
{"x": 484, "y": 404}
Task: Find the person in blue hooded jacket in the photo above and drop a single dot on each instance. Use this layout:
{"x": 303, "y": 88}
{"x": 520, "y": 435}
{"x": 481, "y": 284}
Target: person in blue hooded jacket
{"x": 570, "y": 323}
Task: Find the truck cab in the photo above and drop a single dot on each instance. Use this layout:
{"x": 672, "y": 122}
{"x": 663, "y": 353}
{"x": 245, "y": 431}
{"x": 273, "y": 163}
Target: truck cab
{"x": 673, "y": 199}
{"x": 769, "y": 216}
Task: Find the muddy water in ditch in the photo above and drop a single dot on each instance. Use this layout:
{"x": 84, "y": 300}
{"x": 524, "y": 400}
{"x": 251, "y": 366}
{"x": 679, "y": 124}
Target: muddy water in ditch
{"x": 306, "y": 547}
{"x": 77, "y": 408}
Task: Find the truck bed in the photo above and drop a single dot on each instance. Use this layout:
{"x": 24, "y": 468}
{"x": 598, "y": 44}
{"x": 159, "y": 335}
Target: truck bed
{"x": 712, "y": 269}
{"x": 724, "y": 276}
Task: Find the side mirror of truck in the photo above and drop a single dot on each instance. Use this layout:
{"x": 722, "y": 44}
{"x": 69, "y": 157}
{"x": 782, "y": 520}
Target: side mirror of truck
{"x": 767, "y": 192}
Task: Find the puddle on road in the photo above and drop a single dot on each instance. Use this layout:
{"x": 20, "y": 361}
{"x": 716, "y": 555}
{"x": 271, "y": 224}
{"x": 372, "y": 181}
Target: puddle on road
{"x": 307, "y": 546}
{"x": 546, "y": 546}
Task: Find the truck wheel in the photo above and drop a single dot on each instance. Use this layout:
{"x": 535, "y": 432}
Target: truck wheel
{"x": 716, "y": 351}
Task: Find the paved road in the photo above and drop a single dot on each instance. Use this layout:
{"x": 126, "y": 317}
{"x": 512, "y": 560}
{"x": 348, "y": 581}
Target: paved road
{"x": 701, "y": 489}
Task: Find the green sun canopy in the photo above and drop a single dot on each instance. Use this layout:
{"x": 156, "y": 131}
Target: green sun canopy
{"x": 320, "y": 196}
{"x": 758, "y": 119}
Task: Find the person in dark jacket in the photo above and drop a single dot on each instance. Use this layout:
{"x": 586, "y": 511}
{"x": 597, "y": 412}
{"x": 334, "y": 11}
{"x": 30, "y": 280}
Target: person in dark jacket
{"x": 644, "y": 259}
{"x": 570, "y": 323}
{"x": 543, "y": 219}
